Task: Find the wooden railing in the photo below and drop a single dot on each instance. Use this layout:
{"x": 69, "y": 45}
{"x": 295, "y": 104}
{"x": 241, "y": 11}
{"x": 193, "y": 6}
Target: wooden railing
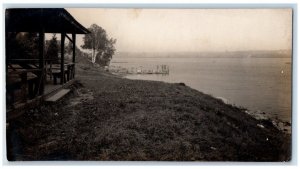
{"x": 22, "y": 83}
{"x": 25, "y": 80}
{"x": 69, "y": 72}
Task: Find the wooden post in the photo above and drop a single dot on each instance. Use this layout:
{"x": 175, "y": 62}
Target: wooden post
{"x": 62, "y": 58}
{"x": 74, "y": 54}
{"x": 41, "y": 63}
{"x": 24, "y": 86}
{"x": 6, "y": 57}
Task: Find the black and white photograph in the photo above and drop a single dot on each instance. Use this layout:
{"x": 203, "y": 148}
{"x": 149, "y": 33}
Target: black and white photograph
{"x": 148, "y": 84}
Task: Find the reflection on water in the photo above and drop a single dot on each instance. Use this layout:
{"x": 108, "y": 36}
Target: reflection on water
{"x": 262, "y": 84}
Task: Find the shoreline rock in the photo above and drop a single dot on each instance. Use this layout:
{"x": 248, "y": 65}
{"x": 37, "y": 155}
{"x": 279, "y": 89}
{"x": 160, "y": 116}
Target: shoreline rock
{"x": 267, "y": 118}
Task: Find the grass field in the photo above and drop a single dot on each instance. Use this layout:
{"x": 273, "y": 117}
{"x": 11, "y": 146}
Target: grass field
{"x": 107, "y": 117}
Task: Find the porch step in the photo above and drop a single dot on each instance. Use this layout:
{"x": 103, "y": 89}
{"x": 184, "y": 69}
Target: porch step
{"x": 58, "y": 95}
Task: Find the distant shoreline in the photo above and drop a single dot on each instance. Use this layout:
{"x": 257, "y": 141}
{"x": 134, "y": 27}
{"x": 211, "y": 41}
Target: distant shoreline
{"x": 221, "y": 57}
{"x": 209, "y": 54}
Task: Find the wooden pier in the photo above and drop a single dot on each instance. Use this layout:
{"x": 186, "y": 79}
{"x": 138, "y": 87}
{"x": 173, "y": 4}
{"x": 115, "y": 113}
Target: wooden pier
{"x": 160, "y": 69}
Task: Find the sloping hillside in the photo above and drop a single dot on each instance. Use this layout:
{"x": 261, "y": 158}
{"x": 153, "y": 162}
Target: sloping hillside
{"x": 107, "y": 117}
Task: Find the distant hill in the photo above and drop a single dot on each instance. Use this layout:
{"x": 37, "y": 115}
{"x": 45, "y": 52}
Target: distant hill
{"x": 231, "y": 54}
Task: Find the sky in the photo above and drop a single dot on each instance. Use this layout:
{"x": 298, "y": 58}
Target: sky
{"x": 191, "y": 30}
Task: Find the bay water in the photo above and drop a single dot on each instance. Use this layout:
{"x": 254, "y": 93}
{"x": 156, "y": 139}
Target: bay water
{"x": 257, "y": 84}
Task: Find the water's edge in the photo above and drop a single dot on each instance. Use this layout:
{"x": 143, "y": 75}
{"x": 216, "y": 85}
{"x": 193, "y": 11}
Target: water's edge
{"x": 281, "y": 125}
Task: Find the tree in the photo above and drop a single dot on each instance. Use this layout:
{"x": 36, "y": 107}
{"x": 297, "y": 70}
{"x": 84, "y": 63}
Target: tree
{"x": 22, "y": 44}
{"x": 69, "y": 47}
{"x": 52, "y": 49}
{"x": 106, "y": 56}
{"x": 30, "y": 43}
{"x": 102, "y": 47}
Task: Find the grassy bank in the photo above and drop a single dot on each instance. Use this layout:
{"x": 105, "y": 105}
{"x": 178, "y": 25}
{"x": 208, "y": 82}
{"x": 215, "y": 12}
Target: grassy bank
{"x": 111, "y": 118}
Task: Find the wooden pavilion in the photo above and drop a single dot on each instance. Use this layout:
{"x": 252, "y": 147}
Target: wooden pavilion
{"x": 26, "y": 79}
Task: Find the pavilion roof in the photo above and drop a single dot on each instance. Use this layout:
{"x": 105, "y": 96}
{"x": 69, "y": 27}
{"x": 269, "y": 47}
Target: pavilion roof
{"x": 48, "y": 20}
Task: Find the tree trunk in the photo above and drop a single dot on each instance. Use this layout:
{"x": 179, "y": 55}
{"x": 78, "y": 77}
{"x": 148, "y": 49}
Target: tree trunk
{"x": 93, "y": 56}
